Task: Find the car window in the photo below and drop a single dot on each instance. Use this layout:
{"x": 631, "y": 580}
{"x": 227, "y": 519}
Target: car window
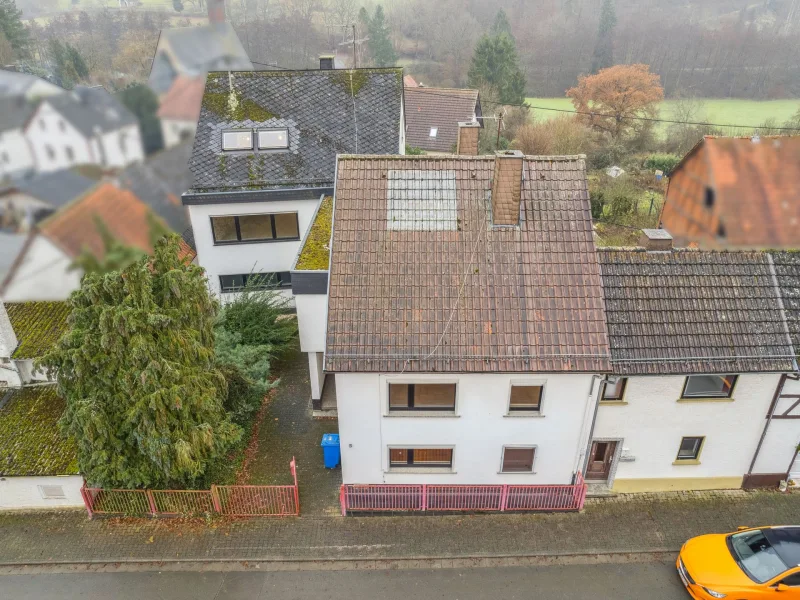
{"x": 755, "y": 555}
{"x": 792, "y": 580}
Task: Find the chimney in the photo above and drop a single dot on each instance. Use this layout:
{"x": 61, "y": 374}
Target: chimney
{"x": 507, "y": 187}
{"x": 326, "y": 62}
{"x": 216, "y": 11}
{"x": 656, "y": 240}
{"x": 8, "y": 339}
{"x": 467, "y": 144}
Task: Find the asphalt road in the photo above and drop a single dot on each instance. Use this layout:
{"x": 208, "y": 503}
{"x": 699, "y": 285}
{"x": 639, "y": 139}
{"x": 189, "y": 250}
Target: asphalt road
{"x": 651, "y": 581}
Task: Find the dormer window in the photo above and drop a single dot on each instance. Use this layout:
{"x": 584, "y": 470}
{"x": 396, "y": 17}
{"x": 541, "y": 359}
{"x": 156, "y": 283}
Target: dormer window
{"x": 237, "y": 140}
{"x": 273, "y": 139}
{"x": 434, "y": 132}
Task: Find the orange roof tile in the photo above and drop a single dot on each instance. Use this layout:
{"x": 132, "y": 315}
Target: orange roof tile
{"x": 185, "y": 251}
{"x": 182, "y": 100}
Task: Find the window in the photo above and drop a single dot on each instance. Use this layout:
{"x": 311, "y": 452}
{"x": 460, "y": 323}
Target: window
{"x": 123, "y": 143}
{"x": 70, "y": 153}
{"x": 792, "y": 580}
{"x": 709, "y": 386}
{"x": 422, "y": 396}
{"x": 237, "y": 140}
{"x": 525, "y": 398}
{"x": 434, "y": 458}
{"x": 255, "y": 228}
{"x": 615, "y": 389}
{"x": 61, "y": 125}
{"x": 690, "y": 448}
{"x": 51, "y": 154}
{"x": 518, "y": 460}
{"x": 434, "y": 131}
{"x": 273, "y": 139}
{"x": 756, "y": 556}
{"x": 257, "y": 281}
{"x": 720, "y": 230}
{"x": 709, "y": 197}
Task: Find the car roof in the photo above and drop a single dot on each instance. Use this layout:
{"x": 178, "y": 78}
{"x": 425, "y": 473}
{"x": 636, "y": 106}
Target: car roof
{"x": 786, "y": 542}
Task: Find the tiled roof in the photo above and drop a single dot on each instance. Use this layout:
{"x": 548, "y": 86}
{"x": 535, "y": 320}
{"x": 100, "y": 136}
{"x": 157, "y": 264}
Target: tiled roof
{"x": 787, "y": 272}
{"x": 74, "y": 227}
{"x": 690, "y": 311}
{"x": 409, "y": 81}
{"x": 182, "y": 101}
{"x": 441, "y": 108}
{"x": 56, "y": 188}
{"x": 754, "y": 194}
{"x": 37, "y": 325}
{"x": 420, "y": 280}
{"x": 185, "y": 251}
{"x": 326, "y": 112}
{"x": 14, "y": 111}
{"x": 31, "y": 443}
{"x": 92, "y": 110}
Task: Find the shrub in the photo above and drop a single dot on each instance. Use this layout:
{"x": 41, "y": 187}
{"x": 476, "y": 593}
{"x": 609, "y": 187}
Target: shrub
{"x": 413, "y": 151}
{"x": 663, "y": 162}
{"x": 598, "y": 203}
{"x": 243, "y": 397}
{"x": 563, "y": 135}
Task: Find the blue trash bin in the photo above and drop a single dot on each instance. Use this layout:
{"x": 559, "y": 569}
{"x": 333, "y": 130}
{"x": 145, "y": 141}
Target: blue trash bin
{"x": 330, "y": 450}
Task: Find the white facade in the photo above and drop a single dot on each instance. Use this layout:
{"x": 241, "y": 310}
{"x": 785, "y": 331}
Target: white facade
{"x": 650, "y": 421}
{"x": 41, "y": 492}
{"x": 249, "y": 257}
{"x": 16, "y": 156}
{"x": 42, "y": 274}
{"x": 312, "y": 314}
{"x": 175, "y": 131}
{"x": 56, "y": 144}
{"x": 121, "y": 147}
{"x": 778, "y": 452}
{"x": 477, "y": 432}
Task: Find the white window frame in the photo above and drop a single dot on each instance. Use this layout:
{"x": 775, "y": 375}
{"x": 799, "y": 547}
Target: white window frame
{"x": 431, "y": 470}
{"x": 433, "y": 132}
{"x": 222, "y": 140}
{"x": 271, "y": 148}
{"x": 535, "y": 448}
{"x": 387, "y": 412}
{"x": 526, "y": 413}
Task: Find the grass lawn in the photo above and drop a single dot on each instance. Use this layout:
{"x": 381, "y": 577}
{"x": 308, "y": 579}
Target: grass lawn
{"x": 725, "y": 111}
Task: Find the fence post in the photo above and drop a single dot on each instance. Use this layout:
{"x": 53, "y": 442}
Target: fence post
{"x": 215, "y": 500}
{"x": 152, "y": 502}
{"x": 342, "y": 500}
{"x": 503, "y": 497}
{"x": 293, "y": 467}
{"x": 424, "y": 505}
{"x": 86, "y": 499}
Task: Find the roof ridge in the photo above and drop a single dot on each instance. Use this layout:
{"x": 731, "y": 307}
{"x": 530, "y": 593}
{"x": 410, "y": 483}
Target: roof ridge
{"x": 308, "y": 71}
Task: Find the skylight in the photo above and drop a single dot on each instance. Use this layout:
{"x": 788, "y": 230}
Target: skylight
{"x": 237, "y": 140}
{"x": 422, "y": 200}
{"x": 434, "y": 131}
{"x": 273, "y": 139}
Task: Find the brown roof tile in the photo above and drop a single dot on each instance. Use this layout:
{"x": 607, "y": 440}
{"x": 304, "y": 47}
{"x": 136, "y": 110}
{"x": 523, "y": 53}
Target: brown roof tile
{"x": 442, "y": 108}
{"x": 182, "y": 101}
{"x": 421, "y": 281}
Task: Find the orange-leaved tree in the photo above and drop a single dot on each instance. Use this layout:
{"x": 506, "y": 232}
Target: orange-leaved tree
{"x": 618, "y": 100}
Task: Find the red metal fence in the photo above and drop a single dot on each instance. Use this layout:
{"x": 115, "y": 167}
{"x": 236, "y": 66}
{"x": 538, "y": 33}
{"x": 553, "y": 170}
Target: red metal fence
{"x": 238, "y": 500}
{"x": 379, "y": 498}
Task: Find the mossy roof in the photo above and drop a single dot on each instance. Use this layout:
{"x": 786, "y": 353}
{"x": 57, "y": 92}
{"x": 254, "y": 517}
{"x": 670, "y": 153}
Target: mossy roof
{"x": 38, "y": 326}
{"x": 30, "y": 441}
{"x": 316, "y": 247}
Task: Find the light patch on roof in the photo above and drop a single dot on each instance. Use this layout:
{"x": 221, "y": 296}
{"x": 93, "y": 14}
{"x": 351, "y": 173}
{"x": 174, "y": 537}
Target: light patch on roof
{"x": 421, "y": 200}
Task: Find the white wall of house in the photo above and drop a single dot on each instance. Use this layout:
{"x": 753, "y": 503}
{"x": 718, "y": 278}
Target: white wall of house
{"x": 779, "y": 448}
{"x": 174, "y": 131}
{"x": 29, "y": 374}
{"x": 477, "y": 432}
{"x": 21, "y": 208}
{"x": 16, "y": 155}
{"x": 122, "y": 146}
{"x": 402, "y": 127}
{"x": 43, "y": 274}
{"x": 32, "y": 492}
{"x": 651, "y": 422}
{"x": 234, "y": 259}
{"x": 55, "y": 143}
{"x": 312, "y": 318}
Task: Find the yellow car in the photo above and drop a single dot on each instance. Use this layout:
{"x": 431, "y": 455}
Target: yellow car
{"x": 751, "y": 564}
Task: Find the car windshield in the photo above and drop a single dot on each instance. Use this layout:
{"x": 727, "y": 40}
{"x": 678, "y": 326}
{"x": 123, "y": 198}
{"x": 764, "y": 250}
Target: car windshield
{"x": 755, "y": 555}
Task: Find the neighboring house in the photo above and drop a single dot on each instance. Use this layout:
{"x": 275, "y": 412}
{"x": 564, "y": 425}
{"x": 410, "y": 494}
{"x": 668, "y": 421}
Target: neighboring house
{"x": 698, "y": 346}
{"x": 25, "y": 202}
{"x": 265, "y": 154}
{"x": 84, "y": 126}
{"x": 11, "y": 245}
{"x": 42, "y": 271}
{"x": 28, "y": 330}
{"x": 41, "y": 471}
{"x": 409, "y": 81}
{"x": 465, "y": 325}
{"x": 16, "y": 155}
{"x": 736, "y": 193}
{"x": 179, "y": 109}
{"x": 194, "y": 51}
{"x": 26, "y": 85}
{"x": 433, "y": 115}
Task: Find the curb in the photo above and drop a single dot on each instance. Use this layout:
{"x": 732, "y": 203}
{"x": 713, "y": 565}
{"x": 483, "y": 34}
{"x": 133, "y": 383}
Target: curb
{"x": 340, "y": 564}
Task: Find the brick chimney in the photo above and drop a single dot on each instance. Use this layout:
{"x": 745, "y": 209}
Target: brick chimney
{"x": 8, "y": 339}
{"x": 656, "y": 240}
{"x": 507, "y": 187}
{"x": 468, "y": 138}
{"x": 216, "y": 11}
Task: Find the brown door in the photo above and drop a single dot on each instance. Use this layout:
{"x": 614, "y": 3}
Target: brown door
{"x": 600, "y": 458}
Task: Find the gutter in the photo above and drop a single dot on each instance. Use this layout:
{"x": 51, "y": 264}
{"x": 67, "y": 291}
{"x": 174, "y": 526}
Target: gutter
{"x": 582, "y": 461}
{"x": 261, "y": 195}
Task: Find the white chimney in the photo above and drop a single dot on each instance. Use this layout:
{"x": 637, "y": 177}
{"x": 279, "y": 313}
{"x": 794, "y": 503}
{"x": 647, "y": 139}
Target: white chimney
{"x": 656, "y": 240}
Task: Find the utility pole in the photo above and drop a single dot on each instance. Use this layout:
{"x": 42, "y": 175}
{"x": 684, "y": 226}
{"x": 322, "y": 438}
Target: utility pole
{"x": 355, "y": 60}
{"x": 499, "y": 127}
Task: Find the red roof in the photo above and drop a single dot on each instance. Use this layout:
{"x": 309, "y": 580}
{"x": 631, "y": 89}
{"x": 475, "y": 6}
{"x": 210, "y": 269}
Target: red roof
{"x": 182, "y": 100}
{"x": 409, "y": 81}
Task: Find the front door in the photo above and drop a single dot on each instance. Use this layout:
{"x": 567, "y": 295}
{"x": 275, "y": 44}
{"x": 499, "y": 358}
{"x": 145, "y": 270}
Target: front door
{"x": 600, "y": 458}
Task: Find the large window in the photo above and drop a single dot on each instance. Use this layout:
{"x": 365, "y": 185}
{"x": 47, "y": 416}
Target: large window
{"x": 756, "y": 555}
{"x": 255, "y": 228}
{"x": 434, "y": 458}
{"x": 422, "y": 396}
{"x": 709, "y": 386}
{"x": 690, "y": 448}
{"x": 615, "y": 389}
{"x": 518, "y": 460}
{"x": 237, "y": 140}
{"x": 525, "y": 399}
{"x": 273, "y": 139}
{"x": 258, "y": 281}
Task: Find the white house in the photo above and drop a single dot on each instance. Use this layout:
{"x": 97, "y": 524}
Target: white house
{"x": 179, "y": 110}
{"x": 84, "y": 126}
{"x": 265, "y": 154}
{"x": 465, "y": 323}
{"x": 16, "y": 155}
{"x": 699, "y": 345}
